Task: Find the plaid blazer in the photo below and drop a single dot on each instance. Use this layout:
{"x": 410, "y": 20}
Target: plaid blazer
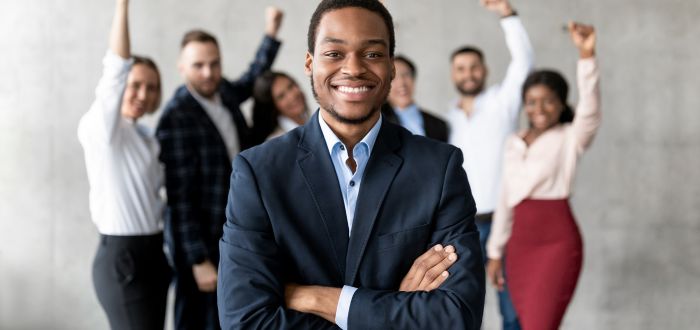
{"x": 197, "y": 165}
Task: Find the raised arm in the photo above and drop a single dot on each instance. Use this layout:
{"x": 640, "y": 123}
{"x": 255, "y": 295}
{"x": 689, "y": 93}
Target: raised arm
{"x": 119, "y": 35}
{"x": 521, "y": 53}
{"x": 99, "y": 125}
{"x": 588, "y": 117}
{"x": 265, "y": 55}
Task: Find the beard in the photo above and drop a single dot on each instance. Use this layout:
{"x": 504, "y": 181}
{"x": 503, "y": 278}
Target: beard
{"x": 330, "y": 108}
{"x": 474, "y": 91}
{"x": 203, "y": 91}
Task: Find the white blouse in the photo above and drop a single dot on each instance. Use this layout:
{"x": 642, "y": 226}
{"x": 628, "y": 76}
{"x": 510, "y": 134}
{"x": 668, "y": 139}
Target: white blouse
{"x": 121, "y": 158}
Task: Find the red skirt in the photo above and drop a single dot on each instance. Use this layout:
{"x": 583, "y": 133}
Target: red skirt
{"x": 543, "y": 261}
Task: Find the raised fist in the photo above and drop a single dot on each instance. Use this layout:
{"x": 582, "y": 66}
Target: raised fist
{"x": 583, "y": 37}
{"x": 501, "y": 7}
{"x": 273, "y": 20}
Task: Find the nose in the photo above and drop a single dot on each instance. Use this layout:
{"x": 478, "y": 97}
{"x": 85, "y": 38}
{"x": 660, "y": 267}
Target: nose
{"x": 142, "y": 93}
{"x": 354, "y": 66}
{"x": 206, "y": 71}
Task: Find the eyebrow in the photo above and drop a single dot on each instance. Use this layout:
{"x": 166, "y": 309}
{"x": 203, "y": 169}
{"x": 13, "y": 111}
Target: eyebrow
{"x": 331, "y": 40}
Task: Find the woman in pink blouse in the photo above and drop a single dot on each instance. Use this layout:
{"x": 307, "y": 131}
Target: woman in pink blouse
{"x": 533, "y": 225}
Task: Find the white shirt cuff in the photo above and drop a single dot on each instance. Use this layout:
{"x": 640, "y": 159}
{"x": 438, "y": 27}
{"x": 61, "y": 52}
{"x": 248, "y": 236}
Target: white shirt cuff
{"x": 343, "y": 309}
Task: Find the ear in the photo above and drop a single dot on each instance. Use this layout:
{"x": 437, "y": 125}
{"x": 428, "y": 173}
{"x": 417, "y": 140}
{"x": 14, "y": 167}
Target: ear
{"x": 308, "y": 64}
{"x": 393, "y": 69}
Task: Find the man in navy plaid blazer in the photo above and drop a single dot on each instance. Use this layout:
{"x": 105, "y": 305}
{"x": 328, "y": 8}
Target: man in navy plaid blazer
{"x": 201, "y": 130}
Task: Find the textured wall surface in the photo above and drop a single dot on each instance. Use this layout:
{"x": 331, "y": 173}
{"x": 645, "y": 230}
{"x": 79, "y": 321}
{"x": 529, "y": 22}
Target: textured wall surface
{"x": 637, "y": 197}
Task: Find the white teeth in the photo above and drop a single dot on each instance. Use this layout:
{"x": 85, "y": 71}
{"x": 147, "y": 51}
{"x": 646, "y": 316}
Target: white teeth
{"x": 354, "y": 90}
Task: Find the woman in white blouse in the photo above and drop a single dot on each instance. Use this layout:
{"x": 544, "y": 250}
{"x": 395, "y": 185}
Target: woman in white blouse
{"x": 280, "y": 105}
{"x": 533, "y": 226}
{"x": 130, "y": 272}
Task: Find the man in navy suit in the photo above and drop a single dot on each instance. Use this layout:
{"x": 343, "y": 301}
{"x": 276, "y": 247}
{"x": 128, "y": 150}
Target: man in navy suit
{"x": 323, "y": 222}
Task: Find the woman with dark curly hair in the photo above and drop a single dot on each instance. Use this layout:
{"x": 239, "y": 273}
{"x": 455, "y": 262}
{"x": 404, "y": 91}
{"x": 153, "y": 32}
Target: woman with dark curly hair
{"x": 533, "y": 226}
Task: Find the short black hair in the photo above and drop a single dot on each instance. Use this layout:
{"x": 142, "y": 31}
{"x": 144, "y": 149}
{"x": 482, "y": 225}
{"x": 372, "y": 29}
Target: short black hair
{"x": 468, "y": 50}
{"x": 409, "y": 63}
{"x": 556, "y": 82}
{"x": 330, "y": 5}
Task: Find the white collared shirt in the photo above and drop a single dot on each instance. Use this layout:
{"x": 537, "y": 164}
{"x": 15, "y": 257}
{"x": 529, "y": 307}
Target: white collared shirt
{"x": 121, "y": 158}
{"x": 223, "y": 120}
{"x": 494, "y": 117}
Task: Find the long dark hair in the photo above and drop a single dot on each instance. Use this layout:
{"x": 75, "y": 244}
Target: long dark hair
{"x": 264, "y": 110}
{"x": 556, "y": 82}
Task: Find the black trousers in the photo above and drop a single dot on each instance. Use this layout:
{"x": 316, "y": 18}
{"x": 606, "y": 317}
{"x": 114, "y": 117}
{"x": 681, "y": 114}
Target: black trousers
{"x": 131, "y": 278}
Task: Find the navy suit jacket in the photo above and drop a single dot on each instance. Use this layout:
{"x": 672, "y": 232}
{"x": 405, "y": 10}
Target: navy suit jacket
{"x": 197, "y": 165}
{"x": 286, "y": 223}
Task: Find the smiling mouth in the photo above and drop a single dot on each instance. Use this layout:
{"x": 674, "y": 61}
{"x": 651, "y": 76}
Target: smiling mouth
{"x": 353, "y": 90}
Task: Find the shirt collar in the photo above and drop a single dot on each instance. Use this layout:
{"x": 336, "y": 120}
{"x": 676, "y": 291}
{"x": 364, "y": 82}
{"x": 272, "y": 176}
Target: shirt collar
{"x": 205, "y": 102}
{"x": 409, "y": 111}
{"x": 332, "y": 140}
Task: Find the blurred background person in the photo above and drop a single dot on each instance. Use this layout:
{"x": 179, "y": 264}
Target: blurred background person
{"x": 482, "y": 118}
{"x": 130, "y": 272}
{"x": 280, "y": 105}
{"x": 202, "y": 129}
{"x": 402, "y": 108}
{"x": 533, "y": 223}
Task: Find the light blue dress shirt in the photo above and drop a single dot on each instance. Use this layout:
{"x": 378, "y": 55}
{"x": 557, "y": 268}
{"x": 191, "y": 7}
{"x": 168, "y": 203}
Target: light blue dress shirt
{"x": 349, "y": 186}
{"x": 411, "y": 119}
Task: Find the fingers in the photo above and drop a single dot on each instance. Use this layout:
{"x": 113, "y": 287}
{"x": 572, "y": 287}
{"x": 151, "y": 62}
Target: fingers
{"x": 415, "y": 275}
{"x": 438, "y": 281}
{"x": 494, "y": 272}
{"x": 207, "y": 285}
{"x": 427, "y": 269}
{"x": 438, "y": 269}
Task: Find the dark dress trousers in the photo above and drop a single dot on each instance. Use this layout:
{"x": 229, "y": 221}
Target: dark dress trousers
{"x": 286, "y": 223}
{"x": 435, "y": 128}
{"x": 197, "y": 168}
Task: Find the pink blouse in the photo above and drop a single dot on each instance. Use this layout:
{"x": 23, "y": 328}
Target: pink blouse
{"x": 546, "y": 168}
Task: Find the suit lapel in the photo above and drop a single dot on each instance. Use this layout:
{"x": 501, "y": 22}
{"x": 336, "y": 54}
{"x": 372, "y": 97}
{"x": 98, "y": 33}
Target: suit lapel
{"x": 381, "y": 169}
{"x": 316, "y": 165}
{"x": 204, "y": 119}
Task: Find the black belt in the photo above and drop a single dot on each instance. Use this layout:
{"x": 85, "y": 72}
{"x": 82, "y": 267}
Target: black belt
{"x": 484, "y": 217}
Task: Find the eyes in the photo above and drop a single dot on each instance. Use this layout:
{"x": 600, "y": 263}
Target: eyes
{"x": 547, "y": 102}
{"x": 201, "y": 65}
{"x": 137, "y": 85}
{"x": 367, "y": 54}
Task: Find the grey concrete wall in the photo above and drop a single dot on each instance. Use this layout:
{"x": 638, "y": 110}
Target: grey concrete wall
{"x": 637, "y": 197}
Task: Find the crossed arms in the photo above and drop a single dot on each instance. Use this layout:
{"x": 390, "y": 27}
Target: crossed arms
{"x": 253, "y": 293}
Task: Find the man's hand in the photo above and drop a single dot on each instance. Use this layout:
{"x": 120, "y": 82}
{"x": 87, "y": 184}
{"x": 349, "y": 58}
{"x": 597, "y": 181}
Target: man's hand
{"x": 583, "y": 37}
{"x": 205, "y": 275}
{"x": 494, "y": 273}
{"x": 273, "y": 20}
{"x": 429, "y": 270}
{"x": 318, "y": 300}
{"x": 502, "y": 7}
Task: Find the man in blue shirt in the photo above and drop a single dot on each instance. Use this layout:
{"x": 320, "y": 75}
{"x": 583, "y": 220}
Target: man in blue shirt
{"x": 402, "y": 108}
